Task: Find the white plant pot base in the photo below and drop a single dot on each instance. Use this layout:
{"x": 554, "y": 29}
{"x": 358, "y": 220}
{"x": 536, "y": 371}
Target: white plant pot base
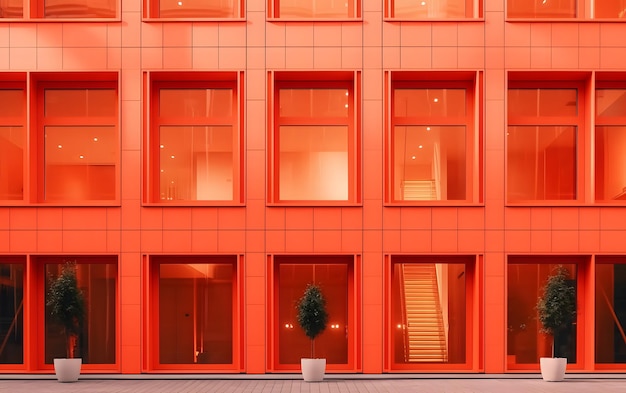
{"x": 553, "y": 369}
{"x": 313, "y": 369}
{"x": 67, "y": 370}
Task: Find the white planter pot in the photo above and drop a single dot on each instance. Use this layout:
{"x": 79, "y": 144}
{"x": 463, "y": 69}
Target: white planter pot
{"x": 67, "y": 370}
{"x": 313, "y": 369}
{"x": 553, "y": 369}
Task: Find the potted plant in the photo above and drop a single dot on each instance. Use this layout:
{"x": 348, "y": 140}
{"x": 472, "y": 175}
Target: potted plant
{"x": 66, "y": 305}
{"x": 312, "y": 318}
{"x": 557, "y": 311}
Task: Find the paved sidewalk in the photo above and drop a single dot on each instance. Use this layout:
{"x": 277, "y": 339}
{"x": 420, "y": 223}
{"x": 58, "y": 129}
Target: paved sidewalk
{"x": 421, "y": 385}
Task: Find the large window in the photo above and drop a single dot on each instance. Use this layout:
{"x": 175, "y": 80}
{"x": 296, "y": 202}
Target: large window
{"x": 315, "y": 9}
{"x": 315, "y": 140}
{"x": 610, "y": 142}
{"x": 566, "y": 9}
{"x": 335, "y": 276}
{"x": 195, "y": 139}
{"x": 195, "y": 312}
{"x": 433, "y": 139}
{"x": 610, "y": 340}
{"x": 58, "y": 9}
{"x": 12, "y": 140}
{"x": 544, "y": 141}
{"x": 97, "y": 279}
{"x": 12, "y": 273}
{"x": 431, "y": 315}
{"x": 526, "y": 278}
{"x": 194, "y": 9}
{"x": 433, "y": 9}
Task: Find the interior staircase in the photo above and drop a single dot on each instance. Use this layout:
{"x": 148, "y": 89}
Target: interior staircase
{"x": 425, "y": 336}
{"x": 419, "y": 190}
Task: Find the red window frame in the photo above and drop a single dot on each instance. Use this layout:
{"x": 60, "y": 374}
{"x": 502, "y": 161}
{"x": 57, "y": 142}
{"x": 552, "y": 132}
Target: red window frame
{"x": 36, "y": 10}
{"x": 473, "y": 10}
{"x": 473, "y": 303}
{"x": 17, "y": 84}
{"x": 151, "y": 11}
{"x": 575, "y": 80}
{"x": 25, "y": 316}
{"x": 151, "y": 314}
{"x": 315, "y": 80}
{"x": 161, "y": 80}
{"x": 472, "y": 83}
{"x": 354, "y": 12}
{"x": 353, "y": 263}
{"x": 68, "y": 81}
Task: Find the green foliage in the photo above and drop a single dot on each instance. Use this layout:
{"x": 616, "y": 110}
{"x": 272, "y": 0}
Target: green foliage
{"x": 312, "y": 314}
{"x": 557, "y": 305}
{"x": 66, "y": 304}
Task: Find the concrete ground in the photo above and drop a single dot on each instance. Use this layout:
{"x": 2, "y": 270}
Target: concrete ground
{"x": 590, "y": 383}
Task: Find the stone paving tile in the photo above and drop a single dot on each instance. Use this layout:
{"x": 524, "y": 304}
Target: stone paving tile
{"x": 421, "y": 385}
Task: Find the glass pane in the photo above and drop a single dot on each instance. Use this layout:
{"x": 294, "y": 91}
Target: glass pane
{"x": 196, "y": 103}
{"x": 525, "y": 343}
{"x": 429, "y": 163}
{"x": 610, "y": 308}
{"x": 543, "y": 102}
{"x": 196, "y": 313}
{"x": 12, "y": 104}
{"x": 80, "y": 163}
{"x": 610, "y": 163}
{"x": 80, "y": 102}
{"x": 96, "y": 342}
{"x": 332, "y": 343}
{"x": 196, "y": 163}
{"x": 11, "y": 312}
{"x": 541, "y": 163}
{"x": 429, "y": 102}
{"x": 79, "y": 8}
{"x": 12, "y": 144}
{"x": 313, "y": 163}
{"x": 611, "y": 103}
{"x": 316, "y": 9}
{"x": 609, "y": 8}
{"x": 435, "y": 9}
{"x": 198, "y": 9}
{"x": 12, "y": 9}
{"x": 541, "y": 8}
{"x": 428, "y": 309}
{"x": 314, "y": 103}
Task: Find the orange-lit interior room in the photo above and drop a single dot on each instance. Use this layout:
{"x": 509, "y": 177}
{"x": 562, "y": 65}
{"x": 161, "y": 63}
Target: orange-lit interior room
{"x": 428, "y": 164}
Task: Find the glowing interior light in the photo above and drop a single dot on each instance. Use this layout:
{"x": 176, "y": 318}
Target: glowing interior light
{"x": 420, "y": 146}
{"x": 95, "y": 139}
{"x": 436, "y": 100}
{"x": 412, "y": 157}
{"x": 81, "y": 156}
{"x": 180, "y": 3}
{"x": 423, "y": 3}
{"x": 162, "y": 170}
{"x": 346, "y": 93}
{"x": 60, "y": 146}
{"x": 162, "y": 146}
{"x": 346, "y": 105}
{"x": 172, "y": 157}
{"x": 427, "y": 128}
{"x": 399, "y": 326}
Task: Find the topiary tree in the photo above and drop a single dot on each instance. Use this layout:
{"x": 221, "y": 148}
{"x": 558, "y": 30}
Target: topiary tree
{"x": 312, "y": 314}
{"x": 557, "y": 306}
{"x": 66, "y": 304}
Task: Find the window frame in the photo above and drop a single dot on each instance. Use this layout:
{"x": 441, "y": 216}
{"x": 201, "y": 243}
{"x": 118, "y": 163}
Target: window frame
{"x": 273, "y": 14}
{"x": 585, "y": 11}
{"x": 67, "y": 81}
{"x": 34, "y": 11}
{"x": 472, "y": 82}
{"x": 151, "y": 11}
{"x": 150, "y": 329}
{"x": 354, "y": 318}
{"x": 473, "y": 7}
{"x": 18, "y": 82}
{"x": 582, "y": 82}
{"x": 24, "y": 309}
{"x": 314, "y": 80}
{"x": 154, "y": 82}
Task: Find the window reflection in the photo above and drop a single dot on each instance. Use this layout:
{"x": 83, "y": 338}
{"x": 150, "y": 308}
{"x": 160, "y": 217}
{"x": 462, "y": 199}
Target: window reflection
{"x": 610, "y": 308}
{"x": 11, "y": 310}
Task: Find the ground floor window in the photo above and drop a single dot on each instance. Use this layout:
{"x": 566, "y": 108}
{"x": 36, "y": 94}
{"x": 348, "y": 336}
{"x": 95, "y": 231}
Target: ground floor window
{"x": 610, "y": 316}
{"x": 194, "y": 312}
{"x": 12, "y": 270}
{"x": 335, "y": 275}
{"x": 526, "y": 277}
{"x": 431, "y": 313}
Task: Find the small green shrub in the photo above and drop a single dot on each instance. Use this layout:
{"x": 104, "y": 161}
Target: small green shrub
{"x": 312, "y": 313}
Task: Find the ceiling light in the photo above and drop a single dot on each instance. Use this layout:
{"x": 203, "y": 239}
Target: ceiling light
{"x": 413, "y": 157}
{"x": 436, "y": 100}
{"x": 60, "y": 146}
{"x": 423, "y": 3}
{"x": 95, "y": 139}
{"x": 427, "y": 128}
{"x": 172, "y": 156}
{"x": 180, "y": 3}
{"x": 421, "y": 147}
{"x": 162, "y": 146}
{"x": 81, "y": 156}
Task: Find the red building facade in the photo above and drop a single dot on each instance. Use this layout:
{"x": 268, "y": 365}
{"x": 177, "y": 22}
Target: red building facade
{"x": 426, "y": 163}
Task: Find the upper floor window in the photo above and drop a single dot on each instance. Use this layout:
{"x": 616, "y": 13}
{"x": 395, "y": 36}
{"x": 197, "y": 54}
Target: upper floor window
{"x": 566, "y": 9}
{"x": 315, "y": 9}
{"x": 12, "y": 139}
{"x": 195, "y": 150}
{"x": 314, "y": 140}
{"x": 433, "y": 138}
{"x": 433, "y": 9}
{"x": 194, "y": 9}
{"x": 59, "y": 9}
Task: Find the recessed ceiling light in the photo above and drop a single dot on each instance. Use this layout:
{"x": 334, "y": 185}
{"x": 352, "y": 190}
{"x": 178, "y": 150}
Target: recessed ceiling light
{"x": 81, "y": 156}
{"x": 436, "y": 100}
{"x": 60, "y": 146}
{"x": 95, "y": 139}
{"x": 172, "y": 156}
{"x": 420, "y": 146}
{"x": 162, "y": 146}
{"x": 427, "y": 128}
{"x": 413, "y": 157}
